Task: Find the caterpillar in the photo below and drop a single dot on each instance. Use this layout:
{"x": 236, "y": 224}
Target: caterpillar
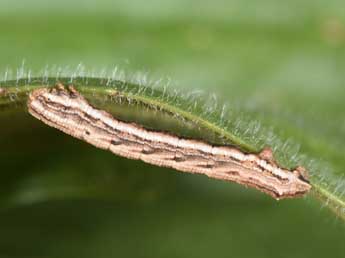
{"x": 66, "y": 109}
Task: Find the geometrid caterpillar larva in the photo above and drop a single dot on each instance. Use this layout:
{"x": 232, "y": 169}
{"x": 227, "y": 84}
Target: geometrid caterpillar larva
{"x": 68, "y": 111}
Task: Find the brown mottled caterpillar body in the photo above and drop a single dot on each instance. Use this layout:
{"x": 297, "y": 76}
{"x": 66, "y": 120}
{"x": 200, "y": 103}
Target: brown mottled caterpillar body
{"x": 2, "y": 91}
{"x": 69, "y": 112}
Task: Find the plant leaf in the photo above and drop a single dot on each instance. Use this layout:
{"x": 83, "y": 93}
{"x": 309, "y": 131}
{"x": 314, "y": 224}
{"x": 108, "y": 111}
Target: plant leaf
{"x": 203, "y": 118}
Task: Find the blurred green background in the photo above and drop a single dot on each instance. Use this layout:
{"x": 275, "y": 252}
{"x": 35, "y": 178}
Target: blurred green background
{"x": 281, "y": 61}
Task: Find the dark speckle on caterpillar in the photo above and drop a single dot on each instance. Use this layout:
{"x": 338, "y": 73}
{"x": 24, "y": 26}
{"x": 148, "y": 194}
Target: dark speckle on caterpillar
{"x": 68, "y": 111}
